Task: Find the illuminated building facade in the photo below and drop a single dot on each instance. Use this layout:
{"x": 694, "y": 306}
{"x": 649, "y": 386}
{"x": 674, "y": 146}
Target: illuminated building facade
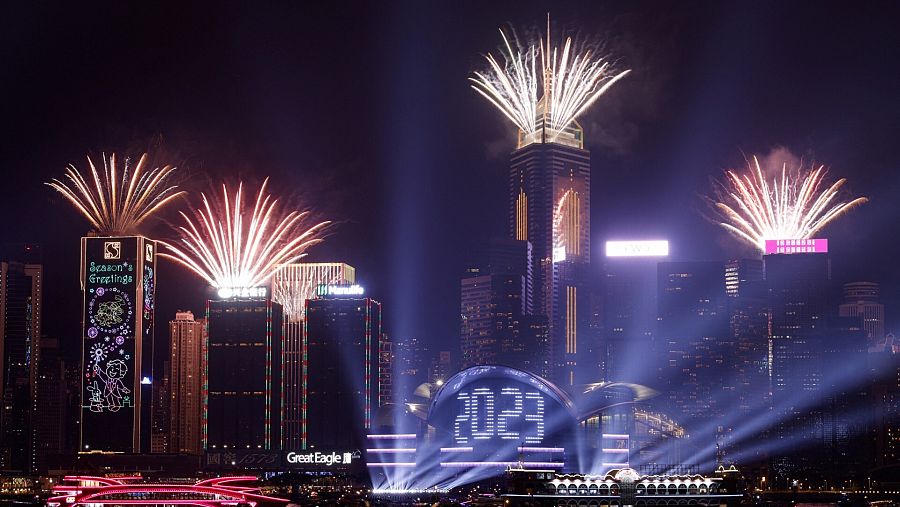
{"x": 692, "y": 323}
{"x": 292, "y": 286}
{"x": 21, "y": 287}
{"x": 186, "y": 336}
{"x": 242, "y": 395}
{"x": 628, "y": 311}
{"x": 497, "y": 323}
{"x": 549, "y": 199}
{"x": 118, "y": 279}
{"x": 861, "y": 299}
{"x": 342, "y": 387}
{"x": 161, "y": 417}
{"x": 48, "y": 425}
{"x": 798, "y": 292}
{"x": 747, "y": 342}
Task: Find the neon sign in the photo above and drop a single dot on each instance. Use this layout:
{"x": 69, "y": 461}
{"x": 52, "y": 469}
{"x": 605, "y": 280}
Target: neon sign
{"x": 509, "y": 413}
{"x": 789, "y": 246}
{"x": 242, "y": 292}
{"x": 339, "y": 290}
{"x": 658, "y": 248}
{"x": 321, "y": 458}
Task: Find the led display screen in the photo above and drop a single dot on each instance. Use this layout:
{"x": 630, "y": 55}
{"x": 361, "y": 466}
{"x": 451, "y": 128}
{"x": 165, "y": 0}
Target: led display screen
{"x": 486, "y": 414}
{"x": 117, "y": 280}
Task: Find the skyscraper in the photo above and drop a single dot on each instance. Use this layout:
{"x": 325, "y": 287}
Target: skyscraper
{"x": 549, "y": 203}
{"x": 49, "y": 424}
{"x": 162, "y": 413}
{"x": 186, "y": 337}
{"x": 292, "y": 286}
{"x": 118, "y": 280}
{"x": 21, "y": 284}
{"x": 692, "y": 324}
{"x": 862, "y": 299}
{"x": 799, "y": 299}
{"x": 629, "y": 309}
{"x": 341, "y": 377}
{"x": 242, "y": 397}
{"x": 497, "y": 323}
{"x": 747, "y": 344}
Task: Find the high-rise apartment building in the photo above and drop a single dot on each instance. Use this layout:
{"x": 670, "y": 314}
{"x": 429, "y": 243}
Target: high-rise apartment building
{"x": 341, "y": 377}
{"x": 241, "y": 387}
{"x": 21, "y": 287}
{"x": 292, "y": 286}
{"x": 861, "y": 299}
{"x": 187, "y": 336}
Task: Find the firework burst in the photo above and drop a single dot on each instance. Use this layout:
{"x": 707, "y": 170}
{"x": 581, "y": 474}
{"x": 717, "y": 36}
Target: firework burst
{"x": 229, "y": 249}
{"x": 794, "y": 206}
{"x": 571, "y": 80}
{"x": 116, "y": 202}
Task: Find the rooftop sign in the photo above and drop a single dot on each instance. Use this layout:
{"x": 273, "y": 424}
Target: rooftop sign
{"x": 655, "y": 248}
{"x": 789, "y": 246}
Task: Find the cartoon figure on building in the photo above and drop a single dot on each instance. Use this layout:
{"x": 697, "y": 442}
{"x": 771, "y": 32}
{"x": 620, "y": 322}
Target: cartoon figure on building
{"x": 96, "y": 404}
{"x": 110, "y": 313}
{"x": 114, "y": 389}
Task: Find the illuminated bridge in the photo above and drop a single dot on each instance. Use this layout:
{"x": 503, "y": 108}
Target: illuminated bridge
{"x": 221, "y": 491}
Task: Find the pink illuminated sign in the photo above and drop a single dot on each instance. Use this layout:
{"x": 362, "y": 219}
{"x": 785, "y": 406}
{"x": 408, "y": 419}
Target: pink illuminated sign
{"x": 789, "y": 246}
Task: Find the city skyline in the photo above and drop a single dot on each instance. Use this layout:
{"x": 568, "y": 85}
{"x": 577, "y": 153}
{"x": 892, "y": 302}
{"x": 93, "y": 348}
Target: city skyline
{"x": 637, "y": 258}
{"x": 624, "y": 204}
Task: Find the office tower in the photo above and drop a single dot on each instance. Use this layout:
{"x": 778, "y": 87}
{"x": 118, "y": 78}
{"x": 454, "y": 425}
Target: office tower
{"x": 798, "y": 293}
{"x": 886, "y": 405}
{"x": 187, "y": 337}
{"x": 747, "y": 355}
{"x": 162, "y": 416}
{"x": 441, "y": 367}
{"x": 497, "y": 325}
{"x": 691, "y": 325}
{"x": 549, "y": 206}
{"x": 292, "y": 285}
{"x": 48, "y": 424}
{"x": 21, "y": 285}
{"x": 242, "y": 373}
{"x": 628, "y": 309}
{"x": 410, "y": 365}
{"x": 862, "y": 299}
{"x": 847, "y": 404}
{"x": 342, "y": 340}
{"x": 118, "y": 279}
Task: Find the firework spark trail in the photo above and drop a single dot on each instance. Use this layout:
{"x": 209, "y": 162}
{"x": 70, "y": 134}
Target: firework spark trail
{"x": 116, "y": 203}
{"x": 227, "y": 251}
{"x": 560, "y": 229}
{"x": 792, "y": 207}
{"x": 292, "y": 294}
{"x": 572, "y": 81}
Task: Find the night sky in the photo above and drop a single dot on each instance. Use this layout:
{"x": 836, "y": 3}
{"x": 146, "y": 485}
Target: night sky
{"x": 363, "y": 113}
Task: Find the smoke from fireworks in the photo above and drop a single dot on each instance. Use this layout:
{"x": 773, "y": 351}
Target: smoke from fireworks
{"x": 230, "y": 250}
{"x": 571, "y": 79}
{"x": 117, "y": 202}
{"x": 794, "y": 206}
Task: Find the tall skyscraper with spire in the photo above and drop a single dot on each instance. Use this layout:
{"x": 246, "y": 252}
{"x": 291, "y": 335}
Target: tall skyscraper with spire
{"x": 550, "y": 202}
